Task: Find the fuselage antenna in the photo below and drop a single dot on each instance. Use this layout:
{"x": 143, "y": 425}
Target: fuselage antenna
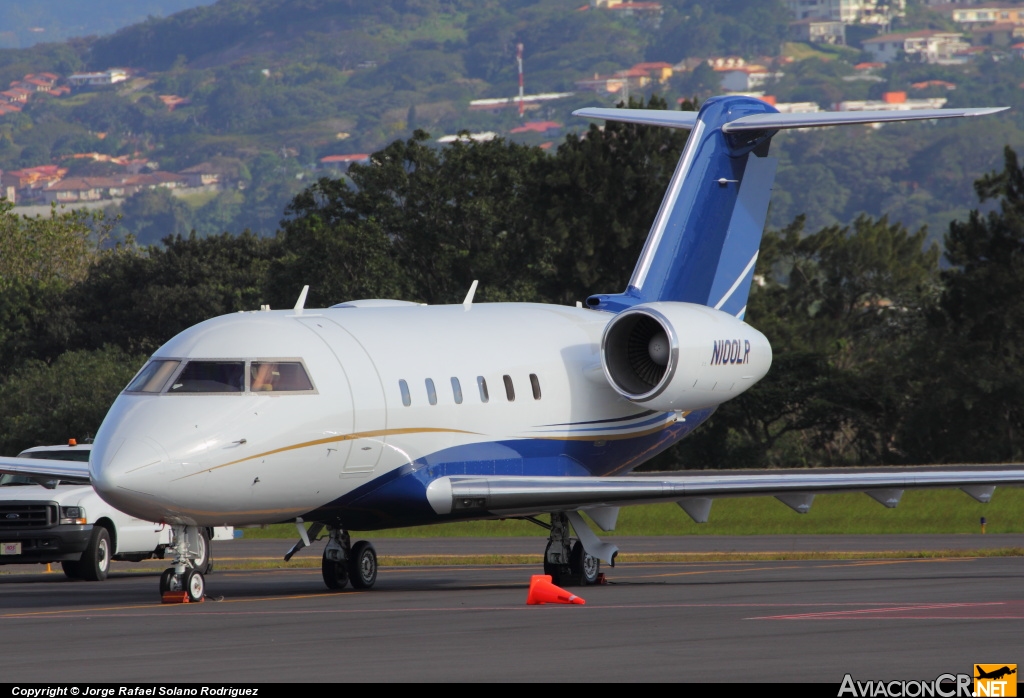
{"x": 468, "y": 303}
{"x": 301, "y": 303}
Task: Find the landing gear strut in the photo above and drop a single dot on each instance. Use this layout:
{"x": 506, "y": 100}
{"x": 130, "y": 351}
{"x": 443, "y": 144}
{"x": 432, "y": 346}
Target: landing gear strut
{"x": 344, "y": 562}
{"x": 190, "y": 545}
{"x": 565, "y": 558}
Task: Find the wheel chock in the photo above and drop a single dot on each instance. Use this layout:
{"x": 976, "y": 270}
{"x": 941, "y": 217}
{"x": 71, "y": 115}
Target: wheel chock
{"x": 178, "y": 597}
{"x": 542, "y": 591}
{"x": 601, "y": 579}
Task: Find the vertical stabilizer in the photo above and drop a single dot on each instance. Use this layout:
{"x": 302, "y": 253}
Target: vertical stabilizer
{"x": 704, "y": 241}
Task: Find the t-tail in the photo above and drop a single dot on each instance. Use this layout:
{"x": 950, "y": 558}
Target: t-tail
{"x": 704, "y": 242}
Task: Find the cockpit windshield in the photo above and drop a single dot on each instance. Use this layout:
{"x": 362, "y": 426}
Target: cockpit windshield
{"x": 278, "y": 376}
{"x": 153, "y": 377}
{"x": 222, "y": 376}
{"x": 210, "y": 377}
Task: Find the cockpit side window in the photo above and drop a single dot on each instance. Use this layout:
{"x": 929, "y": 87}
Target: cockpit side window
{"x": 278, "y": 376}
{"x": 153, "y": 376}
{"x": 210, "y": 377}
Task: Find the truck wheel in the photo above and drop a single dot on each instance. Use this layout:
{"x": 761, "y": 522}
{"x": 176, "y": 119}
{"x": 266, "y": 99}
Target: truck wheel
{"x": 72, "y": 569}
{"x": 203, "y": 562}
{"x": 95, "y": 562}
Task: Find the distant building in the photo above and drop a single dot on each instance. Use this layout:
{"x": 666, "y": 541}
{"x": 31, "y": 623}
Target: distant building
{"x": 107, "y": 77}
{"x": 531, "y": 101}
{"x": 481, "y": 137}
{"x": 79, "y": 189}
{"x": 204, "y": 174}
{"x": 747, "y": 78}
{"x": 818, "y": 31}
{"x": 891, "y": 101}
{"x": 848, "y": 11}
{"x": 343, "y": 162}
{"x": 30, "y": 182}
{"x": 931, "y": 46}
{"x": 991, "y": 13}
{"x": 537, "y": 127}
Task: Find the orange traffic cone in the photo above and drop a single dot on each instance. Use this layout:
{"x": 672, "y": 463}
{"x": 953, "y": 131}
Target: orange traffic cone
{"x": 543, "y": 591}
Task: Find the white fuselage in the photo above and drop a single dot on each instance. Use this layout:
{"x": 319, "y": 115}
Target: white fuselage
{"x": 352, "y": 444}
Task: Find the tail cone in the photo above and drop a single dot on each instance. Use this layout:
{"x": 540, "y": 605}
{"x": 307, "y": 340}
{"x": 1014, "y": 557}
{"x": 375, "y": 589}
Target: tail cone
{"x": 543, "y": 591}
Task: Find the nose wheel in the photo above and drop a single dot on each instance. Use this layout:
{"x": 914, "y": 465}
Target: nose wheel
{"x": 191, "y": 548}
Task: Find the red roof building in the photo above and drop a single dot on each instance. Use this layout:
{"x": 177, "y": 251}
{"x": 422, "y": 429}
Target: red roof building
{"x": 536, "y": 127}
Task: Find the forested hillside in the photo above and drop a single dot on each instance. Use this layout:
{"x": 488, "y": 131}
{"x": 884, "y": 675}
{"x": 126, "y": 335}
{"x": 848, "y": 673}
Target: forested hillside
{"x": 880, "y": 356}
{"x": 267, "y": 88}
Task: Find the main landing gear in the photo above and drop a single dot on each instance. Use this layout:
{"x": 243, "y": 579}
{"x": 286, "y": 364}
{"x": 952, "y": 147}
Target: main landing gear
{"x": 565, "y": 558}
{"x": 345, "y": 563}
{"x": 191, "y": 548}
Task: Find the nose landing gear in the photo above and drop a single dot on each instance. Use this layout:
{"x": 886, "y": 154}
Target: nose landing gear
{"x": 191, "y": 548}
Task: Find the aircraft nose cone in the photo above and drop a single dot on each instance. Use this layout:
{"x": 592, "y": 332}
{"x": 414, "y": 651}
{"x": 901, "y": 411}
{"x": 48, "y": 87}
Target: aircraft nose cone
{"x": 118, "y": 469}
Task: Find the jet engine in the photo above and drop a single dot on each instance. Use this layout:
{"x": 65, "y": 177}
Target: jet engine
{"x": 682, "y": 356}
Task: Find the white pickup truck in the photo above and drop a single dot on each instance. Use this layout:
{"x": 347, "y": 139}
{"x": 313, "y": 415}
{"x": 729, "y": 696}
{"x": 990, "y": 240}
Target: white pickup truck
{"x": 72, "y": 525}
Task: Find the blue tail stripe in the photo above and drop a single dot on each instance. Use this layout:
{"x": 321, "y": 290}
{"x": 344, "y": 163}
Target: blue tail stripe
{"x": 710, "y": 223}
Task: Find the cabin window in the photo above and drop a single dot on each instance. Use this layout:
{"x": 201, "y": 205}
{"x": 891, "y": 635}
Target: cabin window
{"x": 457, "y": 390}
{"x": 431, "y": 393}
{"x": 278, "y": 376}
{"x": 535, "y": 384}
{"x": 210, "y": 377}
{"x": 481, "y": 383}
{"x": 153, "y": 376}
{"x": 406, "y": 397}
{"x": 510, "y": 390}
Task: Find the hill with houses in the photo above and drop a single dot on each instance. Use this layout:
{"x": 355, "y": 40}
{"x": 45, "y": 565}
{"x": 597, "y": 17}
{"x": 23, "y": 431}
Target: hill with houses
{"x": 260, "y": 97}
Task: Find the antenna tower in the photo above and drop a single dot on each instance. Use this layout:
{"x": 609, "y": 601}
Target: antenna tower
{"x": 519, "y": 60}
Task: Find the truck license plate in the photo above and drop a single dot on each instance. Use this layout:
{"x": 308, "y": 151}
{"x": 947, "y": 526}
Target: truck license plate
{"x": 10, "y": 548}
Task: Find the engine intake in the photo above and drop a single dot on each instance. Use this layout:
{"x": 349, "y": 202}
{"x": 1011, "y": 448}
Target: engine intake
{"x": 682, "y": 356}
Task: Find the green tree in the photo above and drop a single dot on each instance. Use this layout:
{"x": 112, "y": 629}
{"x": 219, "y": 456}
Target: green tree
{"x": 137, "y": 299}
{"x": 43, "y": 403}
{"x": 58, "y": 249}
{"x": 974, "y": 409}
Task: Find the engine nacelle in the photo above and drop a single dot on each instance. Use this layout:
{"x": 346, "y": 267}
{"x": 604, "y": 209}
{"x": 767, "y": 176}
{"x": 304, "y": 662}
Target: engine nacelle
{"x": 682, "y": 356}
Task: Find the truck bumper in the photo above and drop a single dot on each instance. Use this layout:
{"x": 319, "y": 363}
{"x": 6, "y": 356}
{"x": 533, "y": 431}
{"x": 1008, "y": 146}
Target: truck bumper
{"x": 54, "y": 544}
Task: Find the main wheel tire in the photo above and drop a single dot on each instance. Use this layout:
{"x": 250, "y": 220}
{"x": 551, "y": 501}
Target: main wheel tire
{"x": 362, "y": 565}
{"x": 195, "y": 585}
{"x": 167, "y": 581}
{"x": 72, "y": 569}
{"x": 583, "y": 568}
{"x": 203, "y": 562}
{"x": 95, "y": 562}
{"x": 334, "y": 573}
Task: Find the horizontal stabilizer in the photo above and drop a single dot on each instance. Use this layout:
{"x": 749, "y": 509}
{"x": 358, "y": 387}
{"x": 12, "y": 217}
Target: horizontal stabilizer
{"x": 41, "y": 470}
{"x": 776, "y": 121}
{"x": 647, "y": 117}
